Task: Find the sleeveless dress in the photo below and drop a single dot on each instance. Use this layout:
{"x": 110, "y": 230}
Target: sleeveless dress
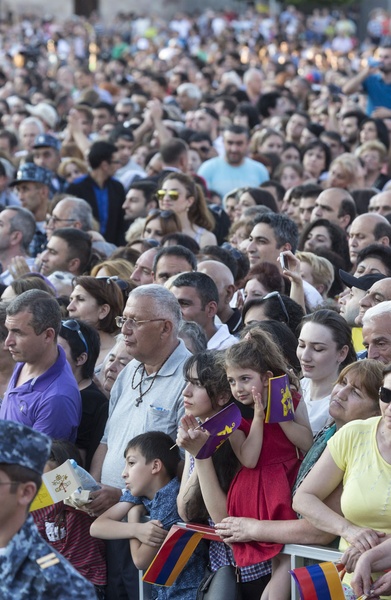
{"x": 265, "y": 492}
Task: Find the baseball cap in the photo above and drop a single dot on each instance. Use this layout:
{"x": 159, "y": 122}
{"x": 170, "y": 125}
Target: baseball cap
{"x": 23, "y": 446}
{"x": 45, "y": 140}
{"x": 32, "y": 172}
{"x": 362, "y": 283}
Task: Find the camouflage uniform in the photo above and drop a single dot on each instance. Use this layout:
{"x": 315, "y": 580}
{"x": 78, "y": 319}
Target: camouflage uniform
{"x": 29, "y": 568}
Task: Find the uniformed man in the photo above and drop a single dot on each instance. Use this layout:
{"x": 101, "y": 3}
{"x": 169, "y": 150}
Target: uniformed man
{"x": 29, "y": 567}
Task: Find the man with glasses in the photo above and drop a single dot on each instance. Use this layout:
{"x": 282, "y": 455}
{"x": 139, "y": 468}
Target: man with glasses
{"x": 103, "y": 193}
{"x": 42, "y": 392}
{"x": 146, "y": 396}
{"x": 202, "y": 143}
{"x": 29, "y": 566}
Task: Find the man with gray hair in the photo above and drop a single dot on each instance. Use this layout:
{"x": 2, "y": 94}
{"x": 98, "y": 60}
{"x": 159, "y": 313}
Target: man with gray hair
{"x": 147, "y": 396}
{"x": 42, "y": 392}
{"x": 77, "y": 213}
{"x": 188, "y": 96}
{"x": 377, "y": 332}
{"x": 17, "y": 229}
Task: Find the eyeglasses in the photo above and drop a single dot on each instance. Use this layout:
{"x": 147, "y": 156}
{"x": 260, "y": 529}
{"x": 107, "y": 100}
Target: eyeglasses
{"x": 163, "y": 214}
{"x": 10, "y": 482}
{"x": 385, "y": 395}
{"x": 57, "y": 220}
{"x": 73, "y": 325}
{"x": 280, "y": 300}
{"x": 128, "y": 322}
{"x": 172, "y": 194}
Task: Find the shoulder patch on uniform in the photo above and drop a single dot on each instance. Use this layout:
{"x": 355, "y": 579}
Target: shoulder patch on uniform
{"x": 48, "y": 560}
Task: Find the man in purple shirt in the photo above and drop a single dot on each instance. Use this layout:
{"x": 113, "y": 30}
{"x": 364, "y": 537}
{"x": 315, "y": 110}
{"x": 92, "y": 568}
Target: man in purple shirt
{"x": 42, "y": 392}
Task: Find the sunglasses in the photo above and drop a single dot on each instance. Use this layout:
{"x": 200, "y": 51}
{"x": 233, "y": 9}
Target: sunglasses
{"x": 172, "y": 194}
{"x": 163, "y": 214}
{"x": 280, "y": 300}
{"x": 385, "y": 395}
{"x": 123, "y": 285}
{"x": 73, "y": 325}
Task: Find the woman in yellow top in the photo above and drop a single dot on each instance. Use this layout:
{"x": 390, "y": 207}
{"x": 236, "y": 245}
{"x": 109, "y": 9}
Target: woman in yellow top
{"x": 359, "y": 457}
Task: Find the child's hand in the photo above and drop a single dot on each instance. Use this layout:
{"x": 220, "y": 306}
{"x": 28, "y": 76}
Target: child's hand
{"x": 190, "y": 436}
{"x": 151, "y": 533}
{"x": 259, "y": 410}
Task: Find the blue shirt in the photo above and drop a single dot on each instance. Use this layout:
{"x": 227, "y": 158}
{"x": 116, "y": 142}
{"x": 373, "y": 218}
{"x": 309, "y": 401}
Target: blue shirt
{"x": 49, "y": 403}
{"x": 379, "y": 93}
{"x": 163, "y": 508}
{"x": 102, "y": 200}
{"x": 223, "y": 177}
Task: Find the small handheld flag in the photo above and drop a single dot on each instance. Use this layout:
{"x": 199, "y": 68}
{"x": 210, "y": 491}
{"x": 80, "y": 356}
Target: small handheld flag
{"x": 220, "y": 427}
{"x": 175, "y": 551}
{"x": 319, "y": 582}
{"x": 279, "y": 401}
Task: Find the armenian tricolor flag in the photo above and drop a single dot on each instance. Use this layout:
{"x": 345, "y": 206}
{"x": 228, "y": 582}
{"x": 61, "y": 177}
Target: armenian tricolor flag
{"x": 175, "y": 551}
{"x": 319, "y": 582}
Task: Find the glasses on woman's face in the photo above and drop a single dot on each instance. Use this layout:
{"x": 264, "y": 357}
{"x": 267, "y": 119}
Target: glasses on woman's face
{"x": 172, "y": 194}
{"x": 73, "y": 325}
{"x": 385, "y": 395}
{"x": 280, "y": 300}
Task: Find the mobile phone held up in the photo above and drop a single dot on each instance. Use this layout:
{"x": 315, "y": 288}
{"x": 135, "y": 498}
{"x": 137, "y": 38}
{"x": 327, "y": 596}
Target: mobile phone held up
{"x": 283, "y": 261}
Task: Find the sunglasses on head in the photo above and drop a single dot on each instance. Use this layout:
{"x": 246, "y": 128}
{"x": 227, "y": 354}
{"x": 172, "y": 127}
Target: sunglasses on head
{"x": 163, "y": 214}
{"x": 172, "y": 194}
{"x": 73, "y": 325}
{"x": 384, "y": 395}
{"x": 281, "y": 302}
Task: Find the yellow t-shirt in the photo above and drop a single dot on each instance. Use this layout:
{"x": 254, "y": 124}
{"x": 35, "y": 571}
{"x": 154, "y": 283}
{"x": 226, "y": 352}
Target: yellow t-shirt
{"x": 366, "y": 496}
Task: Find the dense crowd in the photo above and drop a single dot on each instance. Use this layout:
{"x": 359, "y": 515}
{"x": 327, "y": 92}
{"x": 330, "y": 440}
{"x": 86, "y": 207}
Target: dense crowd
{"x": 193, "y": 210}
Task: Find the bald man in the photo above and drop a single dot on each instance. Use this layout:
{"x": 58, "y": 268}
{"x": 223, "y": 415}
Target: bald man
{"x": 224, "y": 280}
{"x": 380, "y": 203}
{"x": 367, "y": 229}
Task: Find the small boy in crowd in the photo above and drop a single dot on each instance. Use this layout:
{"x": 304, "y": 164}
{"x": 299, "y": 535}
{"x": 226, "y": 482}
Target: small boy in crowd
{"x": 151, "y": 489}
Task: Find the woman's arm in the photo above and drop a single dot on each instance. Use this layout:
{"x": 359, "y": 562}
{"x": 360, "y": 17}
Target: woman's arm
{"x": 187, "y": 483}
{"x": 309, "y": 501}
{"x": 214, "y": 497}
{"x": 376, "y": 559}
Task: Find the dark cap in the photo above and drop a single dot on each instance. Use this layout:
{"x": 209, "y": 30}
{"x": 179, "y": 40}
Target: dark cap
{"x": 23, "y": 446}
{"x": 45, "y": 140}
{"x": 32, "y": 172}
{"x": 362, "y": 283}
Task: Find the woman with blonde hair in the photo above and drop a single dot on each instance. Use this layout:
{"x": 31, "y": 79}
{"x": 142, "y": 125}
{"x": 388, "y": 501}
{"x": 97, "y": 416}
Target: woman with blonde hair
{"x": 182, "y": 195}
{"x": 317, "y": 271}
{"x": 116, "y": 267}
{"x": 346, "y": 172}
{"x": 71, "y": 168}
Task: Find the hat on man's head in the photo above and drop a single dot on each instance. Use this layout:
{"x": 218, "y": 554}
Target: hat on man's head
{"x": 45, "y": 112}
{"x": 23, "y": 446}
{"x": 32, "y": 172}
{"x": 362, "y": 283}
{"x": 45, "y": 140}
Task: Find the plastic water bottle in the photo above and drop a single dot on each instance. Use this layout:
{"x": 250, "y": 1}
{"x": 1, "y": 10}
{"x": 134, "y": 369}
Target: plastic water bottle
{"x": 86, "y": 480}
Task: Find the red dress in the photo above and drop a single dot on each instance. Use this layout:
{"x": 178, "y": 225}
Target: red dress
{"x": 264, "y": 493}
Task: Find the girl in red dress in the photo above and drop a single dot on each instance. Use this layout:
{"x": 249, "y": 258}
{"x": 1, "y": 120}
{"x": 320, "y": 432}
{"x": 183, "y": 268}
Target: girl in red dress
{"x": 269, "y": 452}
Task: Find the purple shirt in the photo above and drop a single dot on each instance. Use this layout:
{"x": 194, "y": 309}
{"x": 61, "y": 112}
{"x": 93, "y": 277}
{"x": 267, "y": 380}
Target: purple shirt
{"x": 49, "y": 403}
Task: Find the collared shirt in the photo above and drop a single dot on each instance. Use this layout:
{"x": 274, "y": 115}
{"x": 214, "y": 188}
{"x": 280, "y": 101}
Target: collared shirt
{"x": 49, "y": 403}
{"x": 161, "y": 409}
{"x": 27, "y": 571}
{"x": 221, "y": 339}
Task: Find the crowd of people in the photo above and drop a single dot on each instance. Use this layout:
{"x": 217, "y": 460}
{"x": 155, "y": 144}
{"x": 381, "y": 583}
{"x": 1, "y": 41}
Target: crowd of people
{"x": 190, "y": 209}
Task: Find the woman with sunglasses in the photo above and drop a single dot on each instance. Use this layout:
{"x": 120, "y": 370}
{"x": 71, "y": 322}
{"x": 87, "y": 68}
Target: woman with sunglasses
{"x": 182, "y": 195}
{"x": 81, "y": 344}
{"x": 98, "y": 302}
{"x": 325, "y": 347}
{"x": 160, "y": 223}
{"x": 358, "y": 457}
